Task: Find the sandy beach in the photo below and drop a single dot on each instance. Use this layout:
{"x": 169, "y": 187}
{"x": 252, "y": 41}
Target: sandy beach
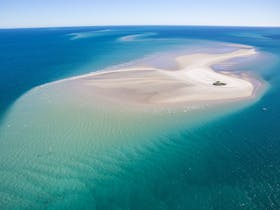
{"x": 192, "y": 82}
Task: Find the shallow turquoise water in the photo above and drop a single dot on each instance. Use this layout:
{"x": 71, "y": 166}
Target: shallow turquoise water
{"x": 64, "y": 152}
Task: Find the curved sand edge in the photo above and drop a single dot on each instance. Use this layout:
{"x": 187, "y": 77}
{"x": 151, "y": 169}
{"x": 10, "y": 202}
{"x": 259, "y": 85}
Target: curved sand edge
{"x": 191, "y": 82}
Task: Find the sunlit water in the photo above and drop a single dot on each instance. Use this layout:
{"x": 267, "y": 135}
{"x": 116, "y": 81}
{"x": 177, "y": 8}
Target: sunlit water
{"x": 62, "y": 150}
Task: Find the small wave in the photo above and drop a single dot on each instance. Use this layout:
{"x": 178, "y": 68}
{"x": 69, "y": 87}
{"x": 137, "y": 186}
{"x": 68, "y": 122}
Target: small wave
{"x": 88, "y": 34}
{"x": 136, "y": 37}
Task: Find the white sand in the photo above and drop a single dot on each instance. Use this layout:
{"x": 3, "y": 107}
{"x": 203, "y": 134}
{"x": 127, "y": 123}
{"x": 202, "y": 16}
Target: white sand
{"x": 192, "y": 82}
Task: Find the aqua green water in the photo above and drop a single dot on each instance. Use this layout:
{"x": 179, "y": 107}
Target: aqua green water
{"x": 63, "y": 150}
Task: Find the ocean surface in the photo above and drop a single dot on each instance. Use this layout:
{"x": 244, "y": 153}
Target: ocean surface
{"x": 59, "y": 151}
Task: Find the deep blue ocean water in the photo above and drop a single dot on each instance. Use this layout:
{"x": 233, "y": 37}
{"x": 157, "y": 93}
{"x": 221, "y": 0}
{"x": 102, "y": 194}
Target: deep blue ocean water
{"x": 230, "y": 163}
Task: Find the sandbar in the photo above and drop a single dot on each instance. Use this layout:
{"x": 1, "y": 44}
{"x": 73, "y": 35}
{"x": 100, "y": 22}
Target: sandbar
{"x": 192, "y": 82}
